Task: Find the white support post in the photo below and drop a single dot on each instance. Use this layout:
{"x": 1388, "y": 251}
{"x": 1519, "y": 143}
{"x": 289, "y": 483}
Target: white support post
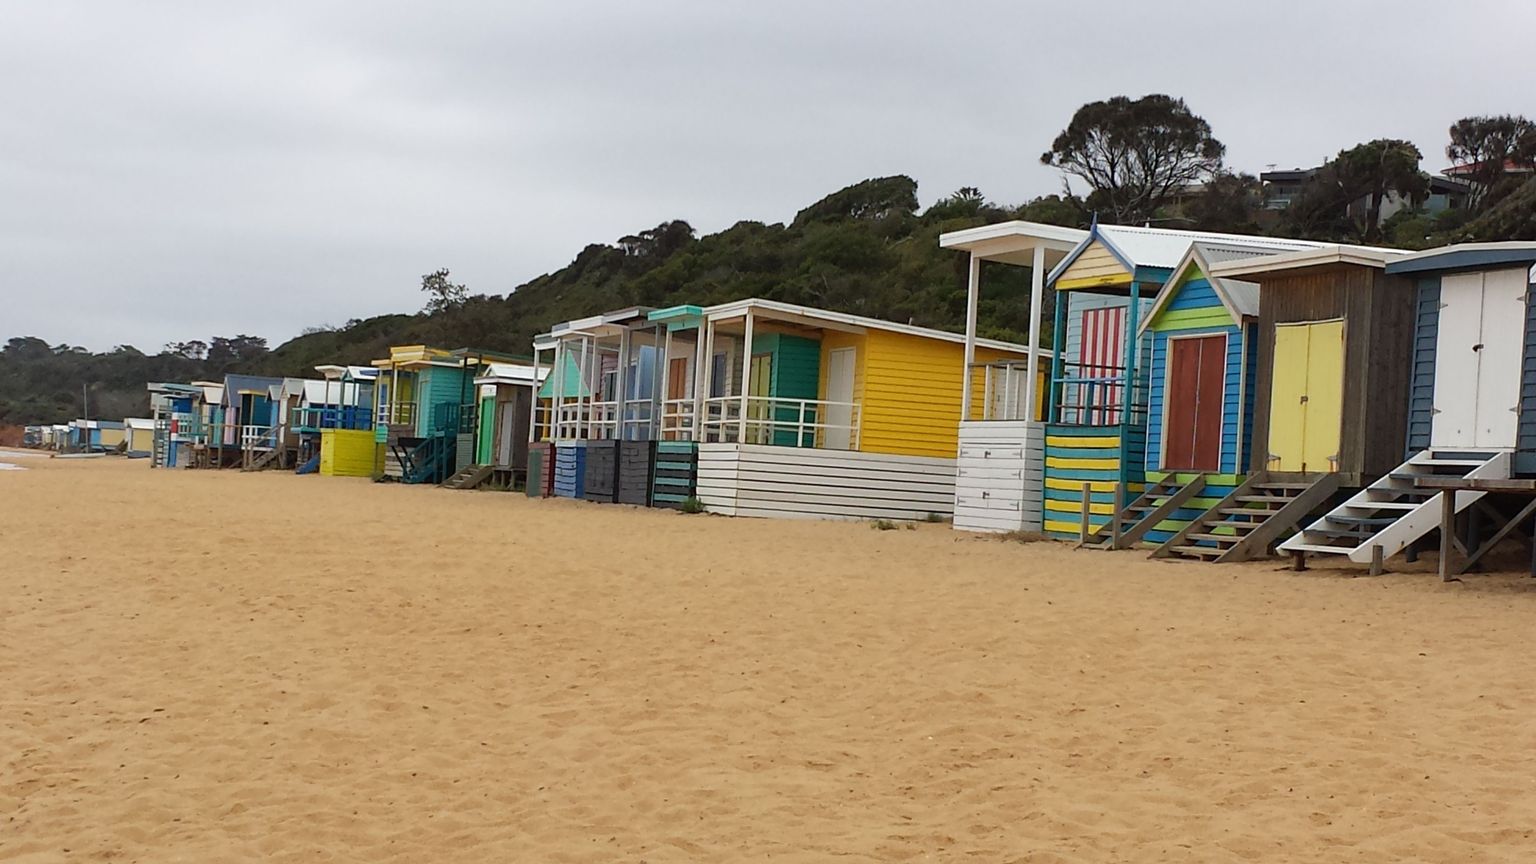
{"x": 394, "y": 394}
{"x": 533, "y": 405}
{"x": 972, "y": 294}
{"x": 583, "y": 376}
{"x": 621, "y": 384}
{"x": 746, "y": 382}
{"x": 1036, "y": 309}
{"x": 659, "y": 388}
{"x": 703, "y": 378}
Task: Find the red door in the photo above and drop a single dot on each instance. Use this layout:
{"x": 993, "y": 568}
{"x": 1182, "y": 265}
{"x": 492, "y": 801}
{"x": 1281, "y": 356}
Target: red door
{"x": 1196, "y": 386}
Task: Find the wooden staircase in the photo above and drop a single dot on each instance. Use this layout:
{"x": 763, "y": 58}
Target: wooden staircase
{"x": 470, "y": 477}
{"x": 1392, "y": 512}
{"x": 1160, "y": 500}
{"x": 1244, "y": 525}
{"x": 256, "y": 461}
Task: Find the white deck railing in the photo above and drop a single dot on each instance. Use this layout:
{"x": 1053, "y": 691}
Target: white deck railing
{"x": 398, "y": 414}
{"x": 1004, "y": 388}
{"x": 786, "y": 422}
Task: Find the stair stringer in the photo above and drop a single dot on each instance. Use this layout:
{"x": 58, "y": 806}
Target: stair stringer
{"x": 1257, "y": 541}
{"x": 1181, "y": 537}
{"x": 1413, "y": 524}
{"x": 1176, "y": 498}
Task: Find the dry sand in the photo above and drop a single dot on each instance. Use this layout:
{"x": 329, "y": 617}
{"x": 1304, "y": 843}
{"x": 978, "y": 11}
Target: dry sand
{"x": 200, "y": 666}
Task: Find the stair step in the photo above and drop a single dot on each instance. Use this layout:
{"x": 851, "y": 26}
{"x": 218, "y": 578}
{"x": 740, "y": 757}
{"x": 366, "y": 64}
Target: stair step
{"x": 1215, "y": 538}
{"x": 1296, "y": 486}
{"x": 1453, "y": 463}
{"x": 1234, "y": 525}
{"x": 1385, "y": 505}
{"x": 1367, "y": 521}
{"x": 1337, "y": 534}
{"x": 1247, "y": 511}
{"x": 1199, "y": 551}
{"x": 1317, "y": 548}
{"x": 1263, "y": 499}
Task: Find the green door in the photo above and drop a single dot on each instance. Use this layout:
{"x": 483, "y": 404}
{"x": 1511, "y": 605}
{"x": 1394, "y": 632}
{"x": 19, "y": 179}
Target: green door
{"x": 486, "y": 436}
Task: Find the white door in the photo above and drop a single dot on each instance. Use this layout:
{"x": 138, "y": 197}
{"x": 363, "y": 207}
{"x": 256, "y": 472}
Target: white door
{"x": 1500, "y": 358}
{"x": 837, "y": 434}
{"x": 1478, "y": 356}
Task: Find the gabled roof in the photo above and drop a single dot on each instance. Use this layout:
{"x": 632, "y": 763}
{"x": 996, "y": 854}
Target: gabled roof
{"x": 1163, "y": 248}
{"x": 1241, "y": 299}
{"x": 235, "y": 385}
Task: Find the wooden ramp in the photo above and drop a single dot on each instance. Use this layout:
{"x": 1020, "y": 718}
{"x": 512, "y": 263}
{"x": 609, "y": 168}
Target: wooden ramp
{"x": 1131, "y": 525}
{"x": 1393, "y": 512}
{"x": 1244, "y": 525}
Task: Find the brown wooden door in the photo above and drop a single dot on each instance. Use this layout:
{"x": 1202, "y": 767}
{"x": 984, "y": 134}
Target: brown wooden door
{"x": 1196, "y": 386}
{"x": 677, "y": 378}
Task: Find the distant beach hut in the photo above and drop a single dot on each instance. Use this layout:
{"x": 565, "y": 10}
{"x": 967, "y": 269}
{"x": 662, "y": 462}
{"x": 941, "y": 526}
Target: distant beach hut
{"x": 139, "y": 439}
{"x": 505, "y": 410}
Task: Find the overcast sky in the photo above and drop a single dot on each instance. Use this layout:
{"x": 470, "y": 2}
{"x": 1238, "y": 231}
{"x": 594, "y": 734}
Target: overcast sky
{"x": 181, "y": 170}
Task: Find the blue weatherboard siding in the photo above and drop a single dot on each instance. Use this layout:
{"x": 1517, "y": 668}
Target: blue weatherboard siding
{"x": 1064, "y": 506}
{"x": 437, "y": 385}
{"x": 1525, "y": 436}
{"x": 1236, "y": 419}
{"x": 1421, "y": 386}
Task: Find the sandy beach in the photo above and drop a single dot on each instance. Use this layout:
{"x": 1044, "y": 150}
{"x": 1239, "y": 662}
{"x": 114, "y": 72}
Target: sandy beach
{"x": 203, "y": 666}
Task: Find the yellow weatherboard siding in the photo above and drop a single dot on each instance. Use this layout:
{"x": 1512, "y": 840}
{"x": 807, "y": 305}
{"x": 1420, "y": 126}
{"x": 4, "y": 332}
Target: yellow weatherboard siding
{"x": 911, "y": 393}
{"x": 1097, "y": 266}
{"x": 347, "y": 453}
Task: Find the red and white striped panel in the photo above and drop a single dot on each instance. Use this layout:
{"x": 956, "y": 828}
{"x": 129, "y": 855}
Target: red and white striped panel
{"x": 1101, "y": 354}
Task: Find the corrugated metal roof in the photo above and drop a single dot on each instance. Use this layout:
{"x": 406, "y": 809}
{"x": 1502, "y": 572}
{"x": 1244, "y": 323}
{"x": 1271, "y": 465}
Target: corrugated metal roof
{"x": 1164, "y": 247}
{"x": 510, "y": 373}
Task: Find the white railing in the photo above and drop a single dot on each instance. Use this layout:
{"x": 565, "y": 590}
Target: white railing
{"x": 258, "y": 437}
{"x": 1003, "y": 394}
{"x": 676, "y": 420}
{"x": 583, "y": 420}
{"x": 785, "y": 422}
{"x": 398, "y": 414}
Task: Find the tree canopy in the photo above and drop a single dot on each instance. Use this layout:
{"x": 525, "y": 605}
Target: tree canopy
{"x": 1136, "y": 155}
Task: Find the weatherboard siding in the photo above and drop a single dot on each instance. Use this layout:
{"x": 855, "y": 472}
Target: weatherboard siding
{"x": 1421, "y": 381}
{"x": 1198, "y": 311}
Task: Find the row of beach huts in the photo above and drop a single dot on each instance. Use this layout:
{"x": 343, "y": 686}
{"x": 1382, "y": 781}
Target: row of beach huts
{"x": 1205, "y": 396}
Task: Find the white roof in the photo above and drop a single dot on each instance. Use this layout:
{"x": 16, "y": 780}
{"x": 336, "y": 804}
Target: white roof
{"x": 1322, "y": 254}
{"x": 511, "y": 373}
{"x": 366, "y": 373}
{"x": 139, "y": 423}
{"x": 816, "y": 316}
{"x": 1014, "y": 242}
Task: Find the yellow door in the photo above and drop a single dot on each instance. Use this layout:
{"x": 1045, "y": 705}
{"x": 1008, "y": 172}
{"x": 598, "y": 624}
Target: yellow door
{"x": 1306, "y": 397}
{"x": 759, "y": 385}
{"x": 1325, "y": 397}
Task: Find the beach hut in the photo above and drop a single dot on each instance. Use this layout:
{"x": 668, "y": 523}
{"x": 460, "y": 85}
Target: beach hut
{"x": 339, "y": 406}
{"x": 172, "y": 407}
{"x": 506, "y": 396}
{"x": 808, "y": 413}
{"x": 139, "y": 436}
{"x": 1453, "y": 349}
{"x": 425, "y": 403}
